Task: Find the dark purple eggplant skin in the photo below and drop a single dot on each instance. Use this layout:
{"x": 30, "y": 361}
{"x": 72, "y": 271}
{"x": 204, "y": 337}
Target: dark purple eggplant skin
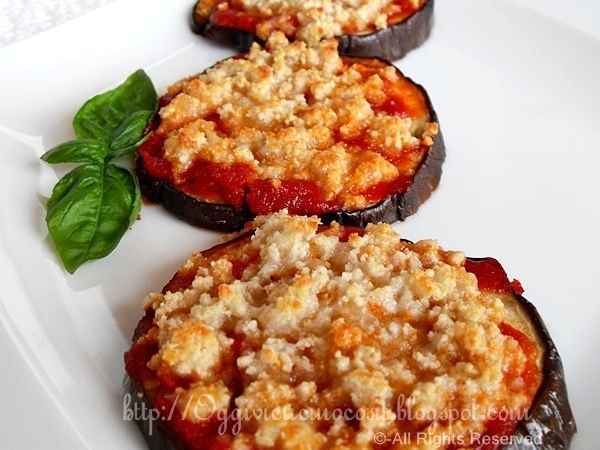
{"x": 222, "y": 217}
{"x": 212, "y": 216}
{"x": 391, "y": 43}
{"x": 549, "y": 425}
{"x": 155, "y": 435}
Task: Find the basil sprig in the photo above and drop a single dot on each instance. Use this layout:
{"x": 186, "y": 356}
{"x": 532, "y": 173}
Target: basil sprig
{"x": 92, "y": 206}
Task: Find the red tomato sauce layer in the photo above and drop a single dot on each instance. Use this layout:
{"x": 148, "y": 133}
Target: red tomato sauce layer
{"x": 218, "y": 182}
{"x": 237, "y": 19}
{"x": 298, "y": 196}
{"x": 491, "y": 276}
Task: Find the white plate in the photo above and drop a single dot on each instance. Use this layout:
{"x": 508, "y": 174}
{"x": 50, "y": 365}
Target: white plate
{"x": 518, "y": 99}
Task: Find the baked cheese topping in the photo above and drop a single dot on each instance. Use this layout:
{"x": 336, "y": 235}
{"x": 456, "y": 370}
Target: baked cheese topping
{"x": 292, "y": 112}
{"x": 311, "y": 20}
{"x": 312, "y": 322}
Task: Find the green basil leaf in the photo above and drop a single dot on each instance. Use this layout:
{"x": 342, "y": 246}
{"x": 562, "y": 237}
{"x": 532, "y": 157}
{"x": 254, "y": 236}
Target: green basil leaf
{"x": 100, "y": 116}
{"x": 89, "y": 211}
{"x": 137, "y": 195}
{"x": 80, "y": 150}
{"x": 131, "y": 131}
{"x": 91, "y": 207}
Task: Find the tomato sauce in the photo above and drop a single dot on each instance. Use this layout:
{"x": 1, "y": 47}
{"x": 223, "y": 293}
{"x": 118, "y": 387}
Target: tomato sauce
{"x": 169, "y": 380}
{"x": 238, "y": 268}
{"x": 517, "y": 287}
{"x": 144, "y": 325}
{"x": 221, "y": 443}
{"x": 346, "y": 232}
{"x": 239, "y": 265}
{"x": 401, "y": 9}
{"x": 361, "y": 141}
{"x": 232, "y": 18}
{"x": 220, "y": 126}
{"x": 382, "y": 190}
{"x": 152, "y": 152}
{"x": 136, "y": 360}
{"x": 531, "y": 373}
{"x": 236, "y": 184}
{"x": 218, "y": 182}
{"x": 394, "y": 107}
{"x": 298, "y": 196}
{"x": 490, "y": 275}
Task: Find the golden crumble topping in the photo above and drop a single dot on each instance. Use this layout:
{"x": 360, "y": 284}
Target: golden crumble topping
{"x": 293, "y": 112}
{"x": 312, "y": 320}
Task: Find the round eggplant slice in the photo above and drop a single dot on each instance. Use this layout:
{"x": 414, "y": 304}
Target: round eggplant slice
{"x": 548, "y": 425}
{"x": 392, "y": 42}
{"x": 395, "y": 204}
{"x": 222, "y": 217}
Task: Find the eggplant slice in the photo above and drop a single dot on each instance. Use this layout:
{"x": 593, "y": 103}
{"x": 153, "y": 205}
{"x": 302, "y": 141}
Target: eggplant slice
{"x": 390, "y": 43}
{"x": 224, "y": 217}
{"x": 549, "y": 424}
{"x": 221, "y": 217}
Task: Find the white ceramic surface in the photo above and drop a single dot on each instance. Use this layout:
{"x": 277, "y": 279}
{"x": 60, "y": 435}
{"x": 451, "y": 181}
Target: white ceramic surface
{"x": 517, "y": 95}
